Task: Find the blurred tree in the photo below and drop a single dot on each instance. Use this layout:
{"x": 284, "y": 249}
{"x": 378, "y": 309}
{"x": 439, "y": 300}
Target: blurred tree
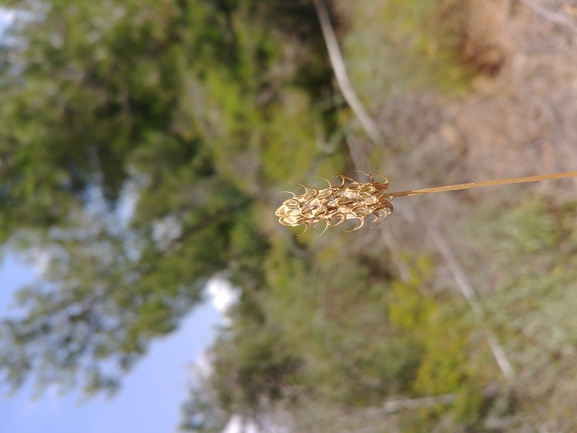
{"x": 173, "y": 104}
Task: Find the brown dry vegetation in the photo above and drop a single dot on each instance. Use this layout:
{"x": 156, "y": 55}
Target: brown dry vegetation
{"x": 516, "y": 115}
{"x": 501, "y": 102}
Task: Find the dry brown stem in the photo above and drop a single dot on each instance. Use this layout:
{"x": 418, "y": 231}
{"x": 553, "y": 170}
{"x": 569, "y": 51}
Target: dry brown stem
{"x": 471, "y": 185}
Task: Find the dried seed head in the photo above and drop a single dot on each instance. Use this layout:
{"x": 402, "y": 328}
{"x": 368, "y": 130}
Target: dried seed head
{"x": 345, "y": 201}
{"x": 359, "y": 200}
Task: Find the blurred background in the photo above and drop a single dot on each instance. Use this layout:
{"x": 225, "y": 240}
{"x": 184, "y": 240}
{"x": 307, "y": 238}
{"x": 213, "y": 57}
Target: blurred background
{"x": 143, "y": 145}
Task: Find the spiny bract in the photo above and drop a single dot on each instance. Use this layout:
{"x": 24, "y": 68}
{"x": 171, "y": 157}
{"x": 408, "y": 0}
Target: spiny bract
{"x": 342, "y": 202}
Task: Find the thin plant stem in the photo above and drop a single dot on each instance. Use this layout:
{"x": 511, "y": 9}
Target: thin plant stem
{"x": 471, "y": 185}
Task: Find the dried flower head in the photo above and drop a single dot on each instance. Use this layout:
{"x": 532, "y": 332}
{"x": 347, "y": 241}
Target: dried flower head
{"x": 345, "y": 201}
{"x": 359, "y": 200}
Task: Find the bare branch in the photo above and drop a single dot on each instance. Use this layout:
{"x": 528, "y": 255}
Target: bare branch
{"x": 341, "y": 73}
{"x": 469, "y": 294}
{"x": 417, "y": 403}
{"x": 550, "y": 15}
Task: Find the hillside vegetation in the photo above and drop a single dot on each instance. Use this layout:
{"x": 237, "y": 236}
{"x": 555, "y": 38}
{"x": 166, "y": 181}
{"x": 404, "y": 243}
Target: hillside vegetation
{"x": 201, "y": 111}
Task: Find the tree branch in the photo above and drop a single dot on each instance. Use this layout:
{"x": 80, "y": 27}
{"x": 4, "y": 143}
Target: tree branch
{"x": 341, "y": 73}
{"x": 550, "y": 15}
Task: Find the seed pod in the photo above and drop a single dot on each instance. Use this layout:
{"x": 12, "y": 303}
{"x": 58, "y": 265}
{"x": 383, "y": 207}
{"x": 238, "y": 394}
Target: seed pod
{"x": 346, "y": 201}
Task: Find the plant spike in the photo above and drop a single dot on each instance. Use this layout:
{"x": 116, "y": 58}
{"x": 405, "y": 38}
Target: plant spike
{"x": 358, "y": 200}
{"x": 353, "y": 200}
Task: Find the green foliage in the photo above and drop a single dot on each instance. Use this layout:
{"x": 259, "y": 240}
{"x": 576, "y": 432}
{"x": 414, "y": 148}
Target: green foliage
{"x": 533, "y": 304}
{"x": 399, "y": 47}
{"x": 307, "y": 337}
{"x": 174, "y": 104}
{"x": 196, "y": 111}
{"x": 442, "y": 326}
